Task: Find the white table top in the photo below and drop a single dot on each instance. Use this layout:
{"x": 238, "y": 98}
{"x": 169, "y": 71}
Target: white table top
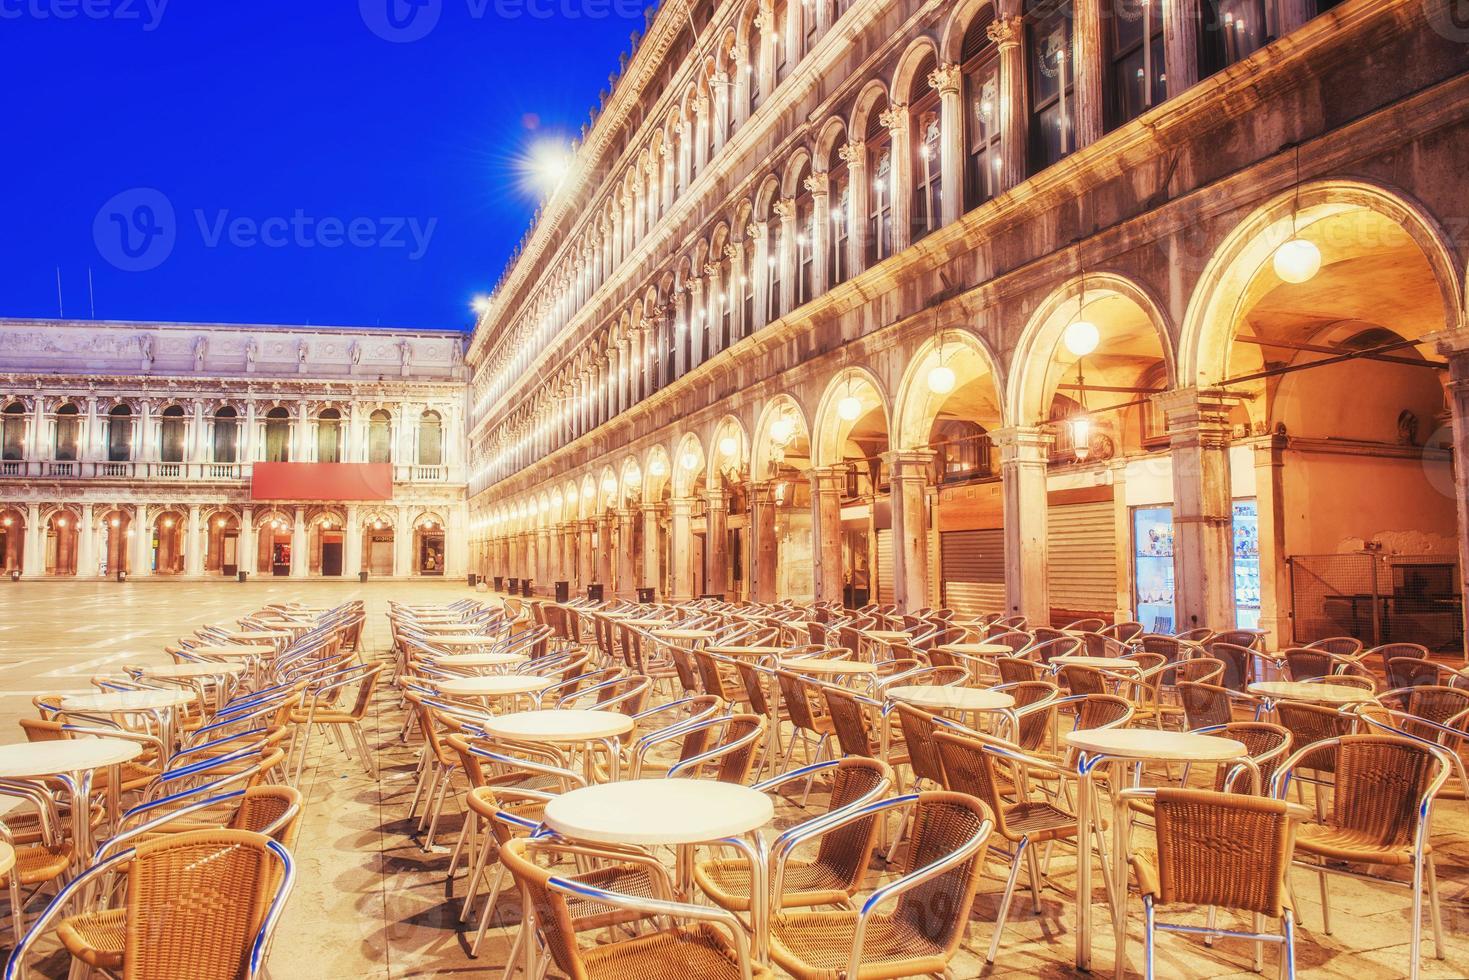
{"x": 978, "y": 649}
{"x": 685, "y": 634}
{"x": 888, "y": 636}
{"x": 803, "y": 665}
{"x": 26, "y": 760}
{"x": 128, "y": 700}
{"x": 450, "y": 627}
{"x": 463, "y": 640}
{"x": 1104, "y": 663}
{"x": 1149, "y": 743}
{"x": 480, "y": 660}
{"x": 940, "y": 697}
{"x": 750, "y": 651}
{"x": 248, "y": 635}
{"x": 559, "y": 725}
{"x": 658, "y": 811}
{"x": 495, "y": 686}
{"x": 242, "y": 650}
{"x": 1319, "y": 693}
{"x": 185, "y": 672}
{"x": 645, "y": 623}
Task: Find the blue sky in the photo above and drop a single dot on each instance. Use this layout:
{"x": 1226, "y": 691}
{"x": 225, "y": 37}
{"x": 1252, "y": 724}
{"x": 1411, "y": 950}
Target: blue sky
{"x": 342, "y": 162}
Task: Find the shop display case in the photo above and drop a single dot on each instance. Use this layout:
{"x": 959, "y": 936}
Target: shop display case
{"x": 1153, "y": 583}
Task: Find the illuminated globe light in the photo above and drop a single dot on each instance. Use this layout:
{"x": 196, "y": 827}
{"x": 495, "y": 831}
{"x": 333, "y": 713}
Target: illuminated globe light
{"x": 481, "y": 305}
{"x": 941, "y": 380}
{"x": 1082, "y": 337}
{"x": 729, "y": 445}
{"x": 1297, "y": 260}
{"x": 609, "y": 485}
{"x": 657, "y": 467}
{"x": 634, "y": 476}
{"x": 849, "y": 408}
{"x": 782, "y": 430}
{"x": 690, "y": 461}
{"x": 588, "y": 491}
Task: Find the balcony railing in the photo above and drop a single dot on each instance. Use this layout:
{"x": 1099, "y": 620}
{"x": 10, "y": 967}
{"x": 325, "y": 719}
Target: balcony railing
{"x": 174, "y": 472}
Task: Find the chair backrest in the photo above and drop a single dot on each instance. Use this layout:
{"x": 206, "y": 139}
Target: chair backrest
{"x": 1237, "y": 660}
{"x": 795, "y": 691}
{"x": 968, "y": 769}
{"x": 1035, "y": 726}
{"x": 1204, "y": 704}
{"x": 938, "y": 909}
{"x": 1202, "y": 670}
{"x": 1088, "y": 625}
{"x": 1411, "y": 671}
{"x": 1312, "y": 723}
{"x": 1016, "y": 669}
{"x": 552, "y": 915}
{"x": 1267, "y": 744}
{"x": 1044, "y": 634}
{"x": 1102, "y": 711}
{"x": 1304, "y": 663}
{"x": 1431, "y": 702}
{"x": 1122, "y": 631}
{"x": 918, "y": 728}
{"x": 1342, "y": 646}
{"x": 275, "y": 810}
{"x": 1387, "y": 652}
{"x": 1380, "y": 784}
{"x": 1249, "y": 875}
{"x": 1248, "y": 639}
{"x": 852, "y": 722}
{"x": 1061, "y": 646}
{"x": 196, "y": 903}
{"x": 1170, "y": 647}
{"x": 1084, "y": 680}
{"x": 847, "y": 851}
{"x": 1016, "y": 640}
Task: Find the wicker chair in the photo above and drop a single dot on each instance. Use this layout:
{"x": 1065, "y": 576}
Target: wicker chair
{"x": 1190, "y": 868}
{"x": 1199, "y": 634}
{"x": 838, "y": 868}
{"x": 1016, "y": 640}
{"x": 1239, "y": 663}
{"x": 1382, "y": 803}
{"x": 1249, "y": 639}
{"x": 199, "y": 905}
{"x": 949, "y": 840}
{"x": 1033, "y": 712}
{"x": 1013, "y": 670}
{"x": 715, "y": 946}
{"x": 1341, "y": 646}
{"x": 970, "y": 767}
{"x": 800, "y": 704}
{"x": 1089, "y": 625}
{"x": 1205, "y": 704}
{"x": 1411, "y": 671}
{"x": 1122, "y": 632}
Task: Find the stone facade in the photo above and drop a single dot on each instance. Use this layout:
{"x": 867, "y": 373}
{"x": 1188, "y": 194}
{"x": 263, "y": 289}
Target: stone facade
{"x": 131, "y": 446}
{"x": 808, "y": 318}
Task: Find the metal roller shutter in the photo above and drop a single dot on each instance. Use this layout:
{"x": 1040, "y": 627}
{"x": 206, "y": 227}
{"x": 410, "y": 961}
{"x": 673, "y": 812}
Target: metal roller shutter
{"x": 973, "y": 568}
{"x": 885, "y": 566}
{"x": 1082, "y": 557}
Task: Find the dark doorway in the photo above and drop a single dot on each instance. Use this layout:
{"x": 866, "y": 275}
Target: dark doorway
{"x": 280, "y": 558}
{"x": 331, "y": 557}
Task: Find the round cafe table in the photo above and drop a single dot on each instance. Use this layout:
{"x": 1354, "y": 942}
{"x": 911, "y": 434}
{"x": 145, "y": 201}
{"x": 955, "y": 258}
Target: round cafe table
{"x": 451, "y": 629}
{"x": 978, "y": 649}
{"x": 1313, "y": 692}
{"x": 76, "y": 759}
{"x": 463, "y": 641}
{"x": 566, "y": 726}
{"x": 645, "y": 624}
{"x": 160, "y": 705}
{"x": 494, "y": 686}
{"x": 751, "y": 652}
{"x": 478, "y": 661}
{"x": 685, "y": 636}
{"x": 1101, "y": 663}
{"x": 829, "y": 668}
{"x": 938, "y": 697}
{"x": 196, "y": 675}
{"x": 675, "y": 812}
{"x": 1120, "y": 747}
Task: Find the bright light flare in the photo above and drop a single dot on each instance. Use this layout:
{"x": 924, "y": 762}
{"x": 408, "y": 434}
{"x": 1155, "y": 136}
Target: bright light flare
{"x": 546, "y": 166}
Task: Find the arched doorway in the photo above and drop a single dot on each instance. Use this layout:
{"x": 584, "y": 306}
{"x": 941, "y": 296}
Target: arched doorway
{"x": 63, "y": 534}
{"x": 852, "y": 506}
{"x": 657, "y": 494}
{"x": 169, "y": 527}
{"x": 12, "y": 539}
{"x": 1092, "y": 364}
{"x": 686, "y": 556}
{"x": 378, "y": 542}
{"x": 115, "y": 536}
{"x": 273, "y": 543}
{"x": 428, "y": 544}
{"x": 726, "y": 525}
{"x": 222, "y": 542}
{"x": 946, "y": 413}
{"x": 326, "y": 530}
{"x": 1323, "y": 346}
{"x": 780, "y": 506}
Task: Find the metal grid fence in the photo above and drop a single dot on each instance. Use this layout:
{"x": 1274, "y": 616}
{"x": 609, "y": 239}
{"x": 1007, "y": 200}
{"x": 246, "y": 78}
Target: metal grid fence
{"x": 1377, "y": 599}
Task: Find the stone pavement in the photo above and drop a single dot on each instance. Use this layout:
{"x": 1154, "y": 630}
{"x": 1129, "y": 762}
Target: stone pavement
{"x": 370, "y": 903}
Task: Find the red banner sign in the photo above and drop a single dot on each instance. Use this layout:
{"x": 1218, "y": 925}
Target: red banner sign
{"x": 321, "y": 481}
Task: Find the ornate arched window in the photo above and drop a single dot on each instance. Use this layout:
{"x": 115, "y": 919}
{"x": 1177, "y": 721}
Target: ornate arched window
{"x": 927, "y": 200}
{"x": 961, "y": 451}
{"x": 981, "y": 70}
{"x": 226, "y": 435}
{"x": 329, "y": 436}
{"x": 120, "y": 434}
{"x": 380, "y": 437}
{"x": 880, "y": 208}
{"x": 68, "y": 432}
{"x": 430, "y": 439}
{"x": 172, "y": 434}
{"x": 13, "y": 422}
{"x": 1052, "y": 98}
{"x": 278, "y": 435}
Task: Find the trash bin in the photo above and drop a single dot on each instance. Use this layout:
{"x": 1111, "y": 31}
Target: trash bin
{"x": 499, "y": 583}
{"x": 15, "y": 575}
{"x": 242, "y": 575}
{"x": 594, "y": 592}
{"x": 514, "y": 586}
{"x": 362, "y": 576}
{"x": 122, "y": 576}
{"x": 473, "y": 580}
{"x": 525, "y": 587}
{"x": 563, "y": 591}
{"x": 645, "y": 596}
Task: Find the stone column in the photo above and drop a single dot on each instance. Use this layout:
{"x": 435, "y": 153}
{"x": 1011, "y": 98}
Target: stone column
{"x": 764, "y": 546}
{"x": 1454, "y": 346}
{"x": 1275, "y": 603}
{"x": 303, "y": 450}
{"x": 352, "y": 543}
{"x": 909, "y": 470}
{"x": 627, "y": 579}
{"x": 299, "y": 563}
{"x": 785, "y": 212}
{"x": 949, "y": 82}
{"x": 714, "y": 293}
{"x": 770, "y": 32}
{"x": 757, "y": 232}
{"x": 1087, "y": 58}
{"x": 819, "y": 185}
{"x": 898, "y": 123}
{"x": 87, "y": 544}
{"x": 697, "y": 321}
{"x": 607, "y": 552}
{"x": 142, "y": 526}
{"x": 38, "y": 448}
{"x": 652, "y": 565}
{"x": 402, "y": 544}
{"x": 703, "y": 120}
{"x": 682, "y": 550}
{"x": 1014, "y": 121}
{"x": 734, "y": 290}
{"x": 859, "y": 202}
{"x": 1181, "y": 43}
{"x": 247, "y": 555}
{"x": 716, "y": 542}
{"x": 1203, "y": 555}
{"x": 826, "y": 512}
{"x": 194, "y": 545}
{"x": 586, "y": 554}
{"x": 1024, "y": 454}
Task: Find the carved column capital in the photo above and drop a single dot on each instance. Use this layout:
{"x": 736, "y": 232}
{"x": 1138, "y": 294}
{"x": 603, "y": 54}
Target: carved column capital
{"x": 1004, "y": 31}
{"x": 785, "y": 208}
{"x": 818, "y": 182}
{"x": 895, "y": 118}
{"x": 946, "y": 78}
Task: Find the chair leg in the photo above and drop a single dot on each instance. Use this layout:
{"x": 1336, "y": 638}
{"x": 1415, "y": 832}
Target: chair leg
{"x": 1434, "y": 913}
{"x": 1415, "y": 951}
{"x": 1148, "y": 937}
{"x": 17, "y": 909}
{"x": 471, "y": 890}
{"x": 465, "y": 838}
{"x": 1020, "y": 854}
{"x": 444, "y": 786}
{"x": 513, "y": 960}
{"x": 1325, "y": 900}
{"x": 1032, "y": 860}
{"x": 484, "y": 921}
{"x": 1288, "y": 947}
